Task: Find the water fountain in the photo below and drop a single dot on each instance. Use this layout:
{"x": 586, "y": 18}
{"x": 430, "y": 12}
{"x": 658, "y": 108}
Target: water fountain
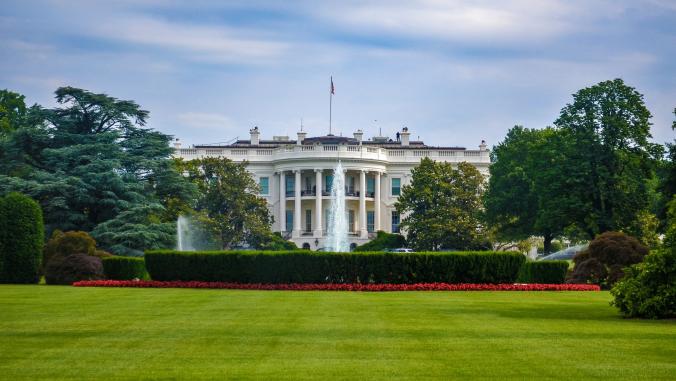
{"x": 336, "y": 239}
{"x": 184, "y": 234}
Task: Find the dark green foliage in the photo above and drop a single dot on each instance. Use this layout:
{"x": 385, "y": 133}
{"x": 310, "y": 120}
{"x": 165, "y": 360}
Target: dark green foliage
{"x": 272, "y": 242}
{"x": 441, "y": 207}
{"x": 316, "y": 267}
{"x": 73, "y": 268}
{"x": 124, "y": 268}
{"x": 91, "y": 159}
{"x": 135, "y": 229}
{"x": 543, "y": 272}
{"x": 228, "y": 202}
{"x": 649, "y": 288}
{"x": 603, "y": 262}
{"x": 64, "y": 244}
{"x": 607, "y": 131}
{"x": 22, "y": 239}
{"x": 382, "y": 242}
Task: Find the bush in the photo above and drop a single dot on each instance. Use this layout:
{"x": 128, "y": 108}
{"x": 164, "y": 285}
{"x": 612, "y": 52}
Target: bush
{"x": 382, "y": 242}
{"x": 124, "y": 268}
{"x": 73, "y": 268}
{"x": 274, "y": 242}
{"x": 548, "y": 272}
{"x": 22, "y": 239}
{"x": 319, "y": 267}
{"x": 603, "y": 262}
{"x": 72, "y": 242}
{"x": 649, "y": 289}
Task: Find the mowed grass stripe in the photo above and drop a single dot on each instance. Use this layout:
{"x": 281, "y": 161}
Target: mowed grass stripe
{"x": 50, "y": 332}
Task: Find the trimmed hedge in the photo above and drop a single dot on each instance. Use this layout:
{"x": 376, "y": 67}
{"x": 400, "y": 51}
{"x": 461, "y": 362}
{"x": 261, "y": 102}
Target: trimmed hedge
{"x": 22, "y": 238}
{"x": 124, "y": 268}
{"x": 321, "y": 267}
{"x": 548, "y": 272}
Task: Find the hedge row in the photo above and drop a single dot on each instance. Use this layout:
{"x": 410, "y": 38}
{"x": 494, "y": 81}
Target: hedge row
{"x": 124, "y": 268}
{"x": 312, "y": 267}
{"x": 548, "y": 272}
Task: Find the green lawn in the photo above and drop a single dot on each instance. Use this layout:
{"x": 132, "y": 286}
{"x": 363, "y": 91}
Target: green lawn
{"x": 50, "y": 332}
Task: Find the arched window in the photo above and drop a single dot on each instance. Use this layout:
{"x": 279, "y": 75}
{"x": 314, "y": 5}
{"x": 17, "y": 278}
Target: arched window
{"x": 306, "y": 246}
{"x": 353, "y": 246}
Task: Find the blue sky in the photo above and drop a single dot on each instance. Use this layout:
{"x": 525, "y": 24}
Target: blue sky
{"x": 454, "y": 72}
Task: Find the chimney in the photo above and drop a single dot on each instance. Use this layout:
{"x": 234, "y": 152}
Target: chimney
{"x": 405, "y": 137}
{"x": 358, "y": 135}
{"x": 255, "y": 136}
{"x": 177, "y": 144}
{"x": 483, "y": 146}
{"x": 301, "y": 137}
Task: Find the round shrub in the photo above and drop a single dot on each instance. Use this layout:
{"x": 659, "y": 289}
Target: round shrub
{"x": 124, "y": 268}
{"x": 72, "y": 242}
{"x": 73, "y": 268}
{"x": 603, "y": 262}
{"x": 649, "y": 288}
{"x": 22, "y": 239}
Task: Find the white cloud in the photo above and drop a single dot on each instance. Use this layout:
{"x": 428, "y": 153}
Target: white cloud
{"x": 465, "y": 21}
{"x": 209, "y": 121}
{"x": 200, "y": 43}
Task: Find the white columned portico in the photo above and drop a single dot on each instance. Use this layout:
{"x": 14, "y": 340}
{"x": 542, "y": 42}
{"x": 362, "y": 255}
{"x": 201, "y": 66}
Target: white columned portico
{"x": 376, "y": 204}
{"x": 296, "y": 205}
{"x": 282, "y": 201}
{"x": 318, "y": 204}
{"x": 363, "y": 233}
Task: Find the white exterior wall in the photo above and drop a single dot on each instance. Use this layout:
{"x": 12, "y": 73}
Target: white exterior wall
{"x": 389, "y": 162}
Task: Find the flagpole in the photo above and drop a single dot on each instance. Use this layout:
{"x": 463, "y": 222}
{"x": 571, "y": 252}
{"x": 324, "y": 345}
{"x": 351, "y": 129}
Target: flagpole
{"x": 330, "y": 103}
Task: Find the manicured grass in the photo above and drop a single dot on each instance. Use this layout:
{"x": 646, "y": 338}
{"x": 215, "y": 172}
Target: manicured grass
{"x": 50, "y": 332}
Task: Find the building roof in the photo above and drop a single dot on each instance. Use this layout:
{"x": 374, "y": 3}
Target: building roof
{"x": 327, "y": 139}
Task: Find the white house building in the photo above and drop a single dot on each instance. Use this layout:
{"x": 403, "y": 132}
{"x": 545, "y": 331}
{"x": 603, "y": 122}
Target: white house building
{"x": 295, "y": 177}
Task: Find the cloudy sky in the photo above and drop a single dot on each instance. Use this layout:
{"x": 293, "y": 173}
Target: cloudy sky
{"x": 454, "y": 72}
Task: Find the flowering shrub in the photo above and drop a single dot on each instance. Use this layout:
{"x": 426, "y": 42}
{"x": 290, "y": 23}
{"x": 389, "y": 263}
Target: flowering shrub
{"x": 340, "y": 286}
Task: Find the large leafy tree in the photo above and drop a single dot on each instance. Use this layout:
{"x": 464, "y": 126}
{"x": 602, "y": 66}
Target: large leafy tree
{"x": 441, "y": 207}
{"x": 228, "y": 201}
{"x": 522, "y": 197}
{"x": 608, "y": 127}
{"x": 91, "y": 159}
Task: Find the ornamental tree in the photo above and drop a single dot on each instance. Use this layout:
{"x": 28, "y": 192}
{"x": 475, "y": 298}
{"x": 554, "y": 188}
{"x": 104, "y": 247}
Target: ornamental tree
{"x": 228, "y": 203}
{"x": 441, "y": 207}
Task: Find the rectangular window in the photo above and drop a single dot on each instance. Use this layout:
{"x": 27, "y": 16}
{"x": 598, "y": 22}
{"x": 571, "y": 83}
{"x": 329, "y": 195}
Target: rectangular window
{"x": 308, "y": 220}
{"x": 370, "y": 186}
{"x": 350, "y": 220}
{"x": 396, "y": 186}
{"x": 289, "y": 220}
{"x": 350, "y": 185}
{"x": 290, "y": 186}
{"x": 308, "y": 184}
{"x": 370, "y": 221}
{"x": 328, "y": 180}
{"x": 395, "y": 221}
{"x": 264, "y": 183}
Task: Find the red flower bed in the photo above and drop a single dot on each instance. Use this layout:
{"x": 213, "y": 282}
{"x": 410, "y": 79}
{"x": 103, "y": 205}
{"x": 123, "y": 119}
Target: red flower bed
{"x": 338, "y": 286}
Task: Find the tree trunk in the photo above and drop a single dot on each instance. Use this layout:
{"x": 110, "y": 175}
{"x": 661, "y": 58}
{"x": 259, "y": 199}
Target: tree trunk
{"x": 548, "y": 243}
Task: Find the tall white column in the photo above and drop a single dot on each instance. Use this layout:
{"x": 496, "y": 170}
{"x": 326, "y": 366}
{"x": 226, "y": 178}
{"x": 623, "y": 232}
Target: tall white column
{"x": 376, "y": 204}
{"x": 318, "y": 204}
{"x": 296, "y": 207}
{"x": 362, "y": 204}
{"x": 282, "y": 201}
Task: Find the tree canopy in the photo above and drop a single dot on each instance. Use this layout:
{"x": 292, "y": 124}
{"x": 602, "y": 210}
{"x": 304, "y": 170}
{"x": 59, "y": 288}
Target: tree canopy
{"x": 441, "y": 207}
{"x": 89, "y": 160}
{"x": 228, "y": 201}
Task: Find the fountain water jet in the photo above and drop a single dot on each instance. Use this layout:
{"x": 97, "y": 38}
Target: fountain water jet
{"x": 184, "y": 234}
{"x": 336, "y": 239}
